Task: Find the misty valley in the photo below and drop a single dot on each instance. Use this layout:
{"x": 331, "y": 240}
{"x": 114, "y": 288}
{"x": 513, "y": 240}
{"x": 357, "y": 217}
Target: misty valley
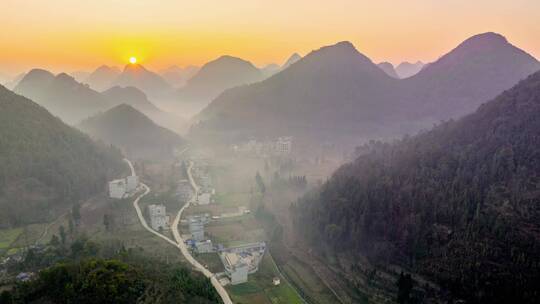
{"x": 328, "y": 177}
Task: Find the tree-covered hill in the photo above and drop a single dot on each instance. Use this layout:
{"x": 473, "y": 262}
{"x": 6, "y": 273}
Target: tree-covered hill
{"x": 458, "y": 204}
{"x": 132, "y": 131}
{"x": 92, "y": 272}
{"x": 44, "y": 163}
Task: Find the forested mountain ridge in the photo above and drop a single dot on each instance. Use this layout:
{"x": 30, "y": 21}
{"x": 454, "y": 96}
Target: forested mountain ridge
{"x": 129, "y": 129}
{"x": 45, "y": 163}
{"x": 458, "y": 204}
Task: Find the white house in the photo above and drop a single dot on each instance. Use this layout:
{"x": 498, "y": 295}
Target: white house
{"x": 242, "y": 260}
{"x": 235, "y": 268}
{"x": 158, "y": 217}
{"x": 132, "y": 182}
{"x": 196, "y": 229}
{"x": 204, "y": 198}
{"x": 117, "y": 188}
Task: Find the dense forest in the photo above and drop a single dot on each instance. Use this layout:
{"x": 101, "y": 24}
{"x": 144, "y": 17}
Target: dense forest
{"x": 46, "y": 164}
{"x": 89, "y": 272}
{"x": 458, "y": 204}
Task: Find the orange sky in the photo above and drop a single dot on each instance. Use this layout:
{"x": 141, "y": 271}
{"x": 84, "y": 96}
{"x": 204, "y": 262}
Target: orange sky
{"x": 68, "y": 35}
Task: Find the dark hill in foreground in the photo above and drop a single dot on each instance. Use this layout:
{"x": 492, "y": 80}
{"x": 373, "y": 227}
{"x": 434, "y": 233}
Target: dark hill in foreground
{"x": 46, "y": 164}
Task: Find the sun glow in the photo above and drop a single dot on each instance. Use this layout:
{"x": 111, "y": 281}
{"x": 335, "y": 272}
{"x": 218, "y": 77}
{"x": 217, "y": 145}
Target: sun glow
{"x": 132, "y": 60}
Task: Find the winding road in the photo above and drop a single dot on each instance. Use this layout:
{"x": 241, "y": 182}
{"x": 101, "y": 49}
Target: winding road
{"x": 179, "y": 242}
{"x": 183, "y": 248}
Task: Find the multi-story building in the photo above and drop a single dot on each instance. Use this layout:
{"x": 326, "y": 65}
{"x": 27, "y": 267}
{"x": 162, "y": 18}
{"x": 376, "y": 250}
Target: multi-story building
{"x": 159, "y": 220}
{"x": 235, "y": 268}
{"x": 196, "y": 227}
{"x": 283, "y": 145}
{"x": 242, "y": 260}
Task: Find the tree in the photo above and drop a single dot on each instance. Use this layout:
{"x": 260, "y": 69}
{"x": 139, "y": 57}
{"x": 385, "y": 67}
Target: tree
{"x": 55, "y": 241}
{"x": 260, "y": 183}
{"x": 71, "y": 227}
{"x": 76, "y": 213}
{"x": 107, "y": 222}
{"x": 405, "y": 285}
{"x": 62, "y": 231}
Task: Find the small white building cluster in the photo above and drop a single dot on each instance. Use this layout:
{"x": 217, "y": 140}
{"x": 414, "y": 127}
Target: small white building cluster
{"x": 159, "y": 220}
{"x": 242, "y": 260}
{"x": 280, "y": 146}
{"x": 197, "y": 240}
{"x": 123, "y": 187}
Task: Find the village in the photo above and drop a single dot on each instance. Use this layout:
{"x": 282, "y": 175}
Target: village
{"x": 203, "y": 210}
{"x": 218, "y": 228}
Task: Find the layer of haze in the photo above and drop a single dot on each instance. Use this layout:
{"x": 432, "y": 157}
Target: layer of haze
{"x": 71, "y": 35}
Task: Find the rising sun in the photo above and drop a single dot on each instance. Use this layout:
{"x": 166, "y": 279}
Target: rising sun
{"x": 133, "y": 60}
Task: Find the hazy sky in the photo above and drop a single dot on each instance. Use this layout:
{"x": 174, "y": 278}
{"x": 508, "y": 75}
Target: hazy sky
{"x": 82, "y": 34}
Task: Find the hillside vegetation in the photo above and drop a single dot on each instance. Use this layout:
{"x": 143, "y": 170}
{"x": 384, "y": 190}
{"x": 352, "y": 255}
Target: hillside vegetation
{"x": 90, "y": 272}
{"x": 458, "y": 204}
{"x": 45, "y": 163}
{"x": 133, "y": 132}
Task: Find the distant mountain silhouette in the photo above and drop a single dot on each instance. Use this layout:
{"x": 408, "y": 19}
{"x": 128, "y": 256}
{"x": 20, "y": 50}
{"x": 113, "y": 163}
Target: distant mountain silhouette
{"x": 137, "y": 99}
{"x": 407, "y": 69}
{"x": 293, "y": 59}
{"x": 388, "y": 68}
{"x": 102, "y": 78}
{"x": 80, "y": 76}
{"x": 135, "y": 75}
{"x": 131, "y": 130}
{"x": 130, "y": 96}
{"x": 339, "y": 95}
{"x": 331, "y": 90}
{"x": 477, "y": 70}
{"x": 13, "y": 82}
{"x": 4, "y": 78}
{"x": 46, "y": 165}
{"x": 215, "y": 77}
{"x": 177, "y": 76}
{"x": 61, "y": 95}
{"x": 270, "y": 69}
